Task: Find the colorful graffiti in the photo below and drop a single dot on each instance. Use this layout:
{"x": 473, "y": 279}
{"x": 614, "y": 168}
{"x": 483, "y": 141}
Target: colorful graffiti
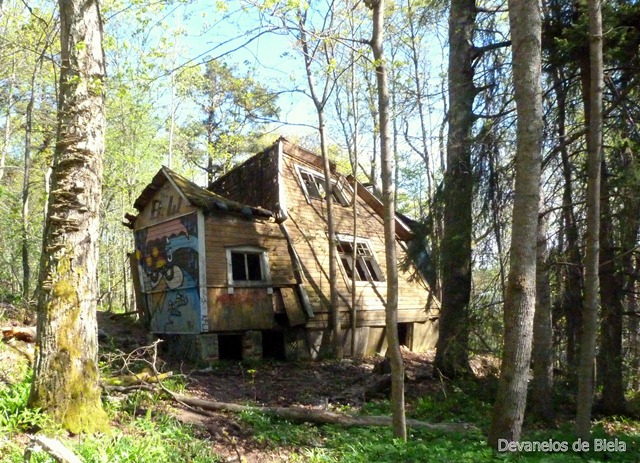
{"x": 167, "y": 255}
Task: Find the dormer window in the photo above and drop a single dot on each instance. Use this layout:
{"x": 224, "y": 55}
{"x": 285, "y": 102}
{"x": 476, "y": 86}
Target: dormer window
{"x": 312, "y": 183}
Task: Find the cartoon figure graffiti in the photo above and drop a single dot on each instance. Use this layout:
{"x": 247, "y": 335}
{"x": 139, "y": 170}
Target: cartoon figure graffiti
{"x": 167, "y": 256}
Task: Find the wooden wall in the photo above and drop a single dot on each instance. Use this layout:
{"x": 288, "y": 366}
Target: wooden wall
{"x": 256, "y": 182}
{"x": 247, "y": 308}
{"x": 166, "y": 203}
{"x": 253, "y": 182}
{"x": 307, "y": 228}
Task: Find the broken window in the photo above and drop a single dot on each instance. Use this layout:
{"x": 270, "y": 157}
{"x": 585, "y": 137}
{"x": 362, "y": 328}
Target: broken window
{"x": 313, "y": 187}
{"x": 247, "y": 265}
{"x": 366, "y": 267}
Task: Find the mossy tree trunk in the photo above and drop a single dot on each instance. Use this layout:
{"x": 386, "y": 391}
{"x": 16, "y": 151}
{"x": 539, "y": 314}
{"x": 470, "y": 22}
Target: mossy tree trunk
{"x": 66, "y": 383}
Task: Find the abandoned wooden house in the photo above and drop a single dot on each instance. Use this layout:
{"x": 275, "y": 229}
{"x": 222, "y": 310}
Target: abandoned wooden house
{"x": 241, "y": 269}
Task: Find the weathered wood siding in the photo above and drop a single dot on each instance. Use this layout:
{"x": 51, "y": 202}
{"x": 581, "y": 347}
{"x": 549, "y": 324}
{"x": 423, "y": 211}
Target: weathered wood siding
{"x": 307, "y": 228}
{"x": 253, "y": 182}
{"x": 226, "y": 230}
{"x": 247, "y": 308}
{"x": 167, "y": 203}
{"x": 270, "y": 180}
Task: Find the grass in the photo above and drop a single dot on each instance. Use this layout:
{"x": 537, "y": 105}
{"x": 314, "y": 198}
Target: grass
{"x": 466, "y": 402}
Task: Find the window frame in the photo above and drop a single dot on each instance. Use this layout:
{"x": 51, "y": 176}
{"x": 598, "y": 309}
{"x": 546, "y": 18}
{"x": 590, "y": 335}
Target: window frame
{"x": 369, "y": 261}
{"x": 339, "y": 194}
{"x": 264, "y": 266}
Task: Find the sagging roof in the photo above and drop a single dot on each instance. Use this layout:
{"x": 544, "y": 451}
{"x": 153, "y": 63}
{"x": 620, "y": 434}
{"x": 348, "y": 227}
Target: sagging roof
{"x": 195, "y": 195}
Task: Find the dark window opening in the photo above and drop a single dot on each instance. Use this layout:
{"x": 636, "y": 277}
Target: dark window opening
{"x": 273, "y": 345}
{"x": 246, "y": 266}
{"x": 366, "y": 266}
{"x": 230, "y": 346}
{"x": 404, "y": 330}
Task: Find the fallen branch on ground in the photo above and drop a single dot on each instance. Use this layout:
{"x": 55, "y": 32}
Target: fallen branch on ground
{"x": 312, "y": 415}
{"x": 143, "y": 377}
{"x": 53, "y": 447}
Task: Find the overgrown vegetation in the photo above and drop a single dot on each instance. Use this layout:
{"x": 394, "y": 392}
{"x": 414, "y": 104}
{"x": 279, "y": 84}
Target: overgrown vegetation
{"x": 142, "y": 431}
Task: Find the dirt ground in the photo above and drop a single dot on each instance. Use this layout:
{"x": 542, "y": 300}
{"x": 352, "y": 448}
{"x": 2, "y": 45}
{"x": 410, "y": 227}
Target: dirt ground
{"x": 319, "y": 384}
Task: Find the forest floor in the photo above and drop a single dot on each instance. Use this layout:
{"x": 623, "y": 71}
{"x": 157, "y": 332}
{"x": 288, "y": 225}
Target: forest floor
{"x": 148, "y": 426}
{"x": 319, "y": 385}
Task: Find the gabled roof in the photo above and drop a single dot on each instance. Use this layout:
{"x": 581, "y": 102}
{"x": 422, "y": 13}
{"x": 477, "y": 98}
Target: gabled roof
{"x": 195, "y": 195}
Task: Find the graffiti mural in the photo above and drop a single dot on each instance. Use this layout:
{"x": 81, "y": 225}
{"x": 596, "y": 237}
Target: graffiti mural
{"x": 167, "y": 255}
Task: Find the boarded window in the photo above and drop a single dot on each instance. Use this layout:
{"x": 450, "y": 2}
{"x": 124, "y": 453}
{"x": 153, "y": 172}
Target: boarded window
{"x": 366, "y": 267}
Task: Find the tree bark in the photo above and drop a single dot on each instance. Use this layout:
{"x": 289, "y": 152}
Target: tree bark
{"x": 319, "y": 102}
{"x": 592, "y": 283}
{"x": 508, "y": 411}
{"x": 66, "y": 375}
{"x": 453, "y": 337}
{"x": 542, "y": 354}
{"x": 571, "y": 281}
{"x": 611, "y": 297}
{"x": 388, "y": 201}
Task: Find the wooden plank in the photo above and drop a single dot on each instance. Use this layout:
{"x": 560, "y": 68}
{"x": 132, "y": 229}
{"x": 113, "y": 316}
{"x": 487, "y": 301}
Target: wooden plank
{"x": 245, "y": 309}
{"x": 293, "y": 307}
{"x": 141, "y": 301}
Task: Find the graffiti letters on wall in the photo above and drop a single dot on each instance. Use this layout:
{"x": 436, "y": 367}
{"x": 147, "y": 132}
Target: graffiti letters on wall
{"x": 167, "y": 256}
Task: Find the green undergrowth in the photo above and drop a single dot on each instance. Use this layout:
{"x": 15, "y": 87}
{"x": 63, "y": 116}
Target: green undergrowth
{"x": 466, "y": 402}
{"x": 315, "y": 444}
{"x": 142, "y": 433}
{"x": 137, "y": 434}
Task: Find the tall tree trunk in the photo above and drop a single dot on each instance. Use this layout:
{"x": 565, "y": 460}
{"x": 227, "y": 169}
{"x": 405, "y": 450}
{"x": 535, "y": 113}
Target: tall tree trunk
{"x": 7, "y": 125}
{"x": 388, "y": 201}
{"x": 24, "y": 245}
{"x": 453, "y": 338}
{"x": 66, "y": 374}
{"x": 319, "y": 101}
{"x": 519, "y": 307}
{"x": 571, "y": 298}
{"x": 28, "y": 129}
{"x": 591, "y": 285}
{"x": 542, "y": 355}
{"x": 611, "y": 297}
{"x": 338, "y": 350}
